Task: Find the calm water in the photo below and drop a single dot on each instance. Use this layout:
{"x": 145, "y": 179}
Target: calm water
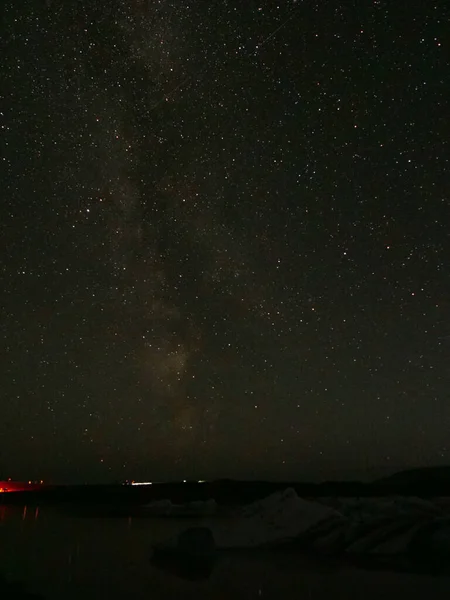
{"x": 66, "y": 557}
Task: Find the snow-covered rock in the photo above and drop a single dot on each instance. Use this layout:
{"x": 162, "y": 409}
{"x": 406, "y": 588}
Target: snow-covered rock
{"x": 378, "y": 527}
{"x": 366, "y": 508}
{"x": 190, "y": 509}
{"x": 201, "y": 508}
{"x": 158, "y": 508}
{"x": 278, "y": 518}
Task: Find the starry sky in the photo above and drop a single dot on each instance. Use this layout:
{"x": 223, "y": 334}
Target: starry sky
{"x": 224, "y": 239}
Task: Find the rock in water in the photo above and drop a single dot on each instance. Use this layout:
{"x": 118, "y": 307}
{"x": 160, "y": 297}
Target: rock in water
{"x": 197, "y": 543}
{"x": 192, "y": 556}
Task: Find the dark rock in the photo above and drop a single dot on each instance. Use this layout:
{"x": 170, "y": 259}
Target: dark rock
{"x": 197, "y": 542}
{"x": 192, "y": 557}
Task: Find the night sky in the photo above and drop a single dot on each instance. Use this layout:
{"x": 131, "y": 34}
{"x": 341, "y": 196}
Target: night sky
{"x": 225, "y": 243}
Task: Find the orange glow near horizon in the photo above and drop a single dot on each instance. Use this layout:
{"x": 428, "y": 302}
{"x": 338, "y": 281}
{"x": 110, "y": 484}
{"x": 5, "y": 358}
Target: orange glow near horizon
{"x": 19, "y": 486}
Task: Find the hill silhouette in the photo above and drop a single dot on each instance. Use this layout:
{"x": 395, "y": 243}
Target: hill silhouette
{"x": 425, "y": 478}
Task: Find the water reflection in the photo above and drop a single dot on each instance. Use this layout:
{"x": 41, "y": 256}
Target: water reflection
{"x": 67, "y": 557}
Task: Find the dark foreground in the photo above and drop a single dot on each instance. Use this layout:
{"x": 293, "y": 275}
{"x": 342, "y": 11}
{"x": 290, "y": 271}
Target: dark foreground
{"x": 59, "y": 556}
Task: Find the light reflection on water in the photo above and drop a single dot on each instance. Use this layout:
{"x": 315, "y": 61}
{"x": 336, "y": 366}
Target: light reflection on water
{"x": 61, "y": 556}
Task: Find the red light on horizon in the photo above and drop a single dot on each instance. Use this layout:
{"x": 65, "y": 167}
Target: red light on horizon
{"x": 19, "y": 486}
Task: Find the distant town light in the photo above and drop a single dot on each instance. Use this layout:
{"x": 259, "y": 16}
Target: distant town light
{"x": 142, "y": 483}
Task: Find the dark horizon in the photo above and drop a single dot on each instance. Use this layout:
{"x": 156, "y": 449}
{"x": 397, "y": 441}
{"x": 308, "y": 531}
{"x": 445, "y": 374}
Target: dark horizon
{"x": 74, "y": 478}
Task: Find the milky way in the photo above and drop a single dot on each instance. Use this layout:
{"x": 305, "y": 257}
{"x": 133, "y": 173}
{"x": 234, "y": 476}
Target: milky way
{"x": 224, "y": 240}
